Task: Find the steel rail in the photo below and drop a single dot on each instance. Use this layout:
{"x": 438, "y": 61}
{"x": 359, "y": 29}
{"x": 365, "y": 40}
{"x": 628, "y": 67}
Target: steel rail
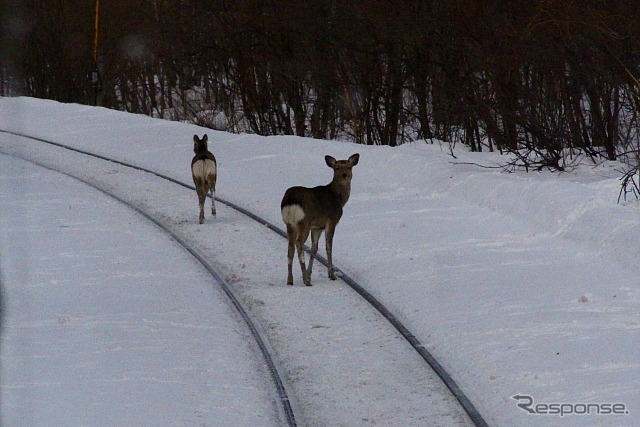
{"x": 420, "y": 348}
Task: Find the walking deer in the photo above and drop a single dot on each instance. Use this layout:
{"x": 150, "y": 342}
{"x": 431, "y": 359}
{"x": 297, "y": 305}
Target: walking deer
{"x": 314, "y": 210}
{"x": 204, "y": 172}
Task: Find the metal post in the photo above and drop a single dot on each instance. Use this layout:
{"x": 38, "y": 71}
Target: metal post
{"x": 96, "y": 80}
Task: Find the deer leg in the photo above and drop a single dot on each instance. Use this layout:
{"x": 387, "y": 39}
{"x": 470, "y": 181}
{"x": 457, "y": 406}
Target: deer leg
{"x": 305, "y": 277}
{"x": 315, "y": 237}
{"x": 329, "y": 240}
{"x": 213, "y": 198}
{"x": 303, "y": 234}
{"x": 292, "y": 237}
{"x": 201, "y": 198}
{"x": 201, "y": 190}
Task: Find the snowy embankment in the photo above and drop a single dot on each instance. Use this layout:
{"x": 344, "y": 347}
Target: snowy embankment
{"x": 580, "y": 205}
{"x": 519, "y": 283}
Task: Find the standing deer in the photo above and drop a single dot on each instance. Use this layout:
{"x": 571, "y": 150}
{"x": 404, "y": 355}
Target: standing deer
{"x": 314, "y": 210}
{"x": 204, "y": 172}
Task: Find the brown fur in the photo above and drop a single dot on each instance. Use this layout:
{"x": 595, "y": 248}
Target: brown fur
{"x": 314, "y": 210}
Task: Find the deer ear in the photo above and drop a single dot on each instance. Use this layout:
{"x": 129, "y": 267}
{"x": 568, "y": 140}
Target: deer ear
{"x": 205, "y": 138}
{"x": 195, "y": 139}
{"x": 331, "y": 162}
{"x": 354, "y": 159}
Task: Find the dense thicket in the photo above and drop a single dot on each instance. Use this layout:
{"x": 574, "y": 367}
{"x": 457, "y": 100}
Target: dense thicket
{"x": 535, "y": 77}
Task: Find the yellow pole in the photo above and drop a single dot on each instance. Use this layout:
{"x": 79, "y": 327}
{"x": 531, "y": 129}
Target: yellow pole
{"x": 95, "y": 74}
{"x": 95, "y": 39}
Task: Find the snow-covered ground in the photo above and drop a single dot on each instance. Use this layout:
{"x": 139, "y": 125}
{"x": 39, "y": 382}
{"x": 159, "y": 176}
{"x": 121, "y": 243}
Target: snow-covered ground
{"x": 108, "y": 321}
{"x": 520, "y": 284}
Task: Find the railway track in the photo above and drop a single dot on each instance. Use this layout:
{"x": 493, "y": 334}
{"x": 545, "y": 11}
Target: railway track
{"x": 283, "y": 398}
{"x": 415, "y": 343}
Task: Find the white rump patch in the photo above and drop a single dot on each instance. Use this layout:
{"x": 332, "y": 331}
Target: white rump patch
{"x": 203, "y": 168}
{"x": 292, "y": 214}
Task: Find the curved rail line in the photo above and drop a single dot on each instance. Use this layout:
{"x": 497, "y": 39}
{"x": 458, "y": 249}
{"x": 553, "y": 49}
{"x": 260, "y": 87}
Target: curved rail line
{"x": 446, "y": 378}
{"x": 283, "y": 398}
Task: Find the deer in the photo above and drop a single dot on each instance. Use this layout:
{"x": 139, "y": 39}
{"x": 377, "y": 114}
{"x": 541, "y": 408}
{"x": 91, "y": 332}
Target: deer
{"x": 204, "y": 172}
{"x": 314, "y": 210}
